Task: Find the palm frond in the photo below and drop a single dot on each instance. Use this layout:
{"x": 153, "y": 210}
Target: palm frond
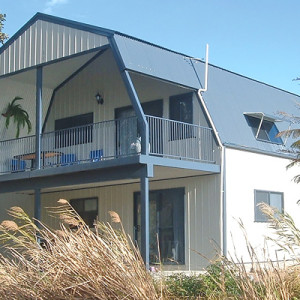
{"x": 20, "y": 116}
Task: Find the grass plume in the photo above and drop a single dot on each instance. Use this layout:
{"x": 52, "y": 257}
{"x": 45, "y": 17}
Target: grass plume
{"x": 70, "y": 263}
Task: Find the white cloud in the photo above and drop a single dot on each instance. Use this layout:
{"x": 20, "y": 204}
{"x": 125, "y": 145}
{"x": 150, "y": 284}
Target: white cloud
{"x": 51, "y": 4}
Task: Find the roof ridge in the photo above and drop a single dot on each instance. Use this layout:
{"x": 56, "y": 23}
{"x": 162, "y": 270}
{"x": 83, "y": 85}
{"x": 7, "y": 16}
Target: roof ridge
{"x": 108, "y": 32}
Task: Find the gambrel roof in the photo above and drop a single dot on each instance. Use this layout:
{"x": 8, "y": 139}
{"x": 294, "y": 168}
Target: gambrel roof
{"x": 49, "y": 41}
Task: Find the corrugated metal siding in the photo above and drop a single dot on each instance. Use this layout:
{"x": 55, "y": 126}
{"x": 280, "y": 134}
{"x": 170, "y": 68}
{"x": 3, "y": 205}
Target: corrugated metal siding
{"x": 78, "y": 95}
{"x": 8, "y": 200}
{"x": 43, "y": 42}
{"x": 10, "y": 88}
{"x": 154, "y": 61}
{"x": 202, "y": 212}
{"x": 103, "y": 75}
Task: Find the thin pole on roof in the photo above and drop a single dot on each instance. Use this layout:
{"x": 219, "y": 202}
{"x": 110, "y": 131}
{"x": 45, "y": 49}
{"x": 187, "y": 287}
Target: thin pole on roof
{"x": 206, "y": 70}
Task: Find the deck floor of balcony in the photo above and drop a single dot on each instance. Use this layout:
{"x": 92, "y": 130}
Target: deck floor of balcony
{"x": 107, "y": 172}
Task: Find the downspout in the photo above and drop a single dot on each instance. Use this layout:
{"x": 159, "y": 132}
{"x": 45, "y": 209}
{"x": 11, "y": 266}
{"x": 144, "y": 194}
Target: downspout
{"x": 222, "y": 171}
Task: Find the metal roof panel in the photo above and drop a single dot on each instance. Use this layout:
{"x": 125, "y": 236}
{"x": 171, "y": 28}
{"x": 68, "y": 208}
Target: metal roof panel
{"x": 230, "y": 95}
{"x": 157, "y": 62}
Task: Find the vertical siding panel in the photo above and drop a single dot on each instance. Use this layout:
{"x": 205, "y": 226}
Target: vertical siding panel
{"x": 50, "y": 42}
{"x": 202, "y": 193}
{"x": 60, "y": 40}
{"x": 18, "y": 54}
{"x": 45, "y": 41}
{"x": 7, "y": 200}
{"x": 27, "y": 48}
{"x": 13, "y": 58}
{"x": 6, "y": 59}
{"x": 72, "y": 41}
{"x": 38, "y": 43}
{"x": 84, "y": 40}
{"x": 55, "y": 41}
{"x": 35, "y": 49}
{"x": 2, "y": 64}
{"x": 22, "y": 50}
{"x": 67, "y": 41}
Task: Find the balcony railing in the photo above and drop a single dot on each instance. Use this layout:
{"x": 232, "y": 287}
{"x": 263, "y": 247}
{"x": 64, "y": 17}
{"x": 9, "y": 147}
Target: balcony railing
{"x": 108, "y": 140}
{"x": 180, "y": 140}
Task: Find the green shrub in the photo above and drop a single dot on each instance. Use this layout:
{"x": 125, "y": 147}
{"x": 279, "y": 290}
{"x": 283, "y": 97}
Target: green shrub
{"x": 184, "y": 286}
{"x": 217, "y": 282}
{"x": 221, "y": 279}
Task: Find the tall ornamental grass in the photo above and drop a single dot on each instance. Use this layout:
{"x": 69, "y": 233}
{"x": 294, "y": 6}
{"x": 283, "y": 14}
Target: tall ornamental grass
{"x": 77, "y": 262}
{"x": 74, "y": 262}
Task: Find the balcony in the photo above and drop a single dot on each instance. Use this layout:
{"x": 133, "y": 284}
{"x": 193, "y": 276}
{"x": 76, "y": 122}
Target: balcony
{"x": 108, "y": 140}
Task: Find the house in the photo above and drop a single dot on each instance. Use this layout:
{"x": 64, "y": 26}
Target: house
{"x": 121, "y": 124}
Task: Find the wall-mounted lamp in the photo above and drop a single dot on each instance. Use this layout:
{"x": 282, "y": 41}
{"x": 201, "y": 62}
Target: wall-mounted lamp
{"x": 99, "y": 98}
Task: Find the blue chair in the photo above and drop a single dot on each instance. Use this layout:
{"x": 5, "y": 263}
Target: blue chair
{"x": 18, "y": 165}
{"x": 96, "y": 155}
{"x": 68, "y": 159}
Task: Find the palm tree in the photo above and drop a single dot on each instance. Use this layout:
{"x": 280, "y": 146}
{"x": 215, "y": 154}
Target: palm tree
{"x": 20, "y": 116}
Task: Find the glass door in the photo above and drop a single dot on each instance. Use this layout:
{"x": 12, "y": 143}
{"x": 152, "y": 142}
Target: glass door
{"x": 166, "y": 225}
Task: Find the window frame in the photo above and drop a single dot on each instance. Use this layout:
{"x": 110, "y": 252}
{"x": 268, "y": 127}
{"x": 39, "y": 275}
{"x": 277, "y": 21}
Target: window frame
{"x": 82, "y": 127}
{"x": 266, "y": 127}
{"x": 259, "y": 217}
{"x": 80, "y": 213}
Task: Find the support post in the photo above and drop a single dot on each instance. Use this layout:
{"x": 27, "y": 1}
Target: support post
{"x": 38, "y": 117}
{"x": 37, "y": 206}
{"x": 133, "y": 96}
{"x": 145, "y": 220}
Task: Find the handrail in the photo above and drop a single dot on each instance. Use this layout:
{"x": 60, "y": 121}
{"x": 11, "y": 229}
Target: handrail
{"x": 111, "y": 139}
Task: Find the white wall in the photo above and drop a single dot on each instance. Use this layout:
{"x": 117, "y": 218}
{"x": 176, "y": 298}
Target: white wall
{"x": 246, "y": 172}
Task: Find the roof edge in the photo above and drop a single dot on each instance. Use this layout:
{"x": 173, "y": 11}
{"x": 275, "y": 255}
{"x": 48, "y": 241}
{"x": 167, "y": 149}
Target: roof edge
{"x": 108, "y": 32}
{"x": 279, "y": 153}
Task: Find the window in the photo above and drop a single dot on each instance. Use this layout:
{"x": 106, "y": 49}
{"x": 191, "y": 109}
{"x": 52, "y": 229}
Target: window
{"x": 267, "y": 131}
{"x": 74, "y": 130}
{"x": 181, "y": 109}
{"x": 273, "y": 199}
{"x": 166, "y": 225}
{"x": 87, "y": 208}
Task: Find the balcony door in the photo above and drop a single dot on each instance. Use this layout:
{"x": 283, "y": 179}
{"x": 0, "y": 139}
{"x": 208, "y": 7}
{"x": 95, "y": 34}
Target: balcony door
{"x": 127, "y": 132}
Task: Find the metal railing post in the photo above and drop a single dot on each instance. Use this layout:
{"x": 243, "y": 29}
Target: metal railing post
{"x": 38, "y": 116}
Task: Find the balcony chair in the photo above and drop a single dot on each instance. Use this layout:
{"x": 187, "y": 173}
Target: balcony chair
{"x": 18, "y": 165}
{"x": 68, "y": 159}
{"x": 96, "y": 155}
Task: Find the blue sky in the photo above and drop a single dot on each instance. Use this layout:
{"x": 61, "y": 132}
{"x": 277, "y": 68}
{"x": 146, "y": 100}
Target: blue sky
{"x": 255, "y": 38}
